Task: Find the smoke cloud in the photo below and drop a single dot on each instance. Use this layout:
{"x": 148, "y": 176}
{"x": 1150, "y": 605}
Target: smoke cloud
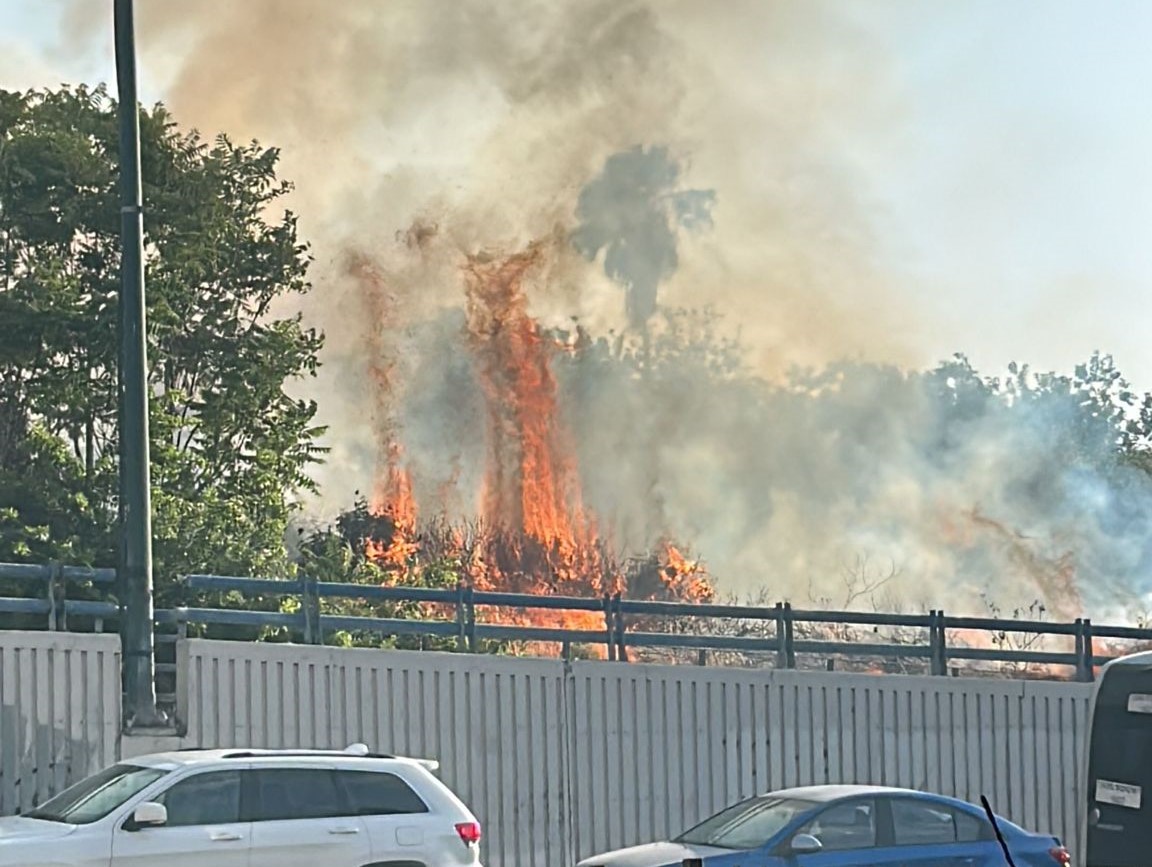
{"x": 421, "y": 132}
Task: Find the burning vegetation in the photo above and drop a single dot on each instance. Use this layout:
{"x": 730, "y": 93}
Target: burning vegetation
{"x": 532, "y": 533}
{"x": 514, "y": 454}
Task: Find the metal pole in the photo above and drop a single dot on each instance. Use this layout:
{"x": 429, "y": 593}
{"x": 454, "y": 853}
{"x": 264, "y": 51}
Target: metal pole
{"x": 135, "y": 572}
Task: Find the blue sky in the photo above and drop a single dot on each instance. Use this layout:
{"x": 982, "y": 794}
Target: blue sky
{"x": 1015, "y": 197}
{"x": 1027, "y": 199}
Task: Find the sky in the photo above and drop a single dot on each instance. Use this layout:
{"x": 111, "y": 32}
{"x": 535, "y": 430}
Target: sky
{"x": 1015, "y": 195}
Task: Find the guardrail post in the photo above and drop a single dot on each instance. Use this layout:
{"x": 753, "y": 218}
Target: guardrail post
{"x": 1085, "y": 652}
{"x": 790, "y": 635}
{"x": 310, "y": 605}
{"x": 621, "y": 627}
{"x": 781, "y": 656}
{"x": 937, "y": 644}
{"x": 1078, "y": 650}
{"x": 785, "y": 636}
{"x": 470, "y": 615}
{"x": 57, "y": 619}
{"x": 181, "y": 623}
{"x": 461, "y": 618}
{"x": 610, "y": 626}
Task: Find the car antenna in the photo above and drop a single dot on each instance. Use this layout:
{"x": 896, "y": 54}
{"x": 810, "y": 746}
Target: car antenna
{"x": 996, "y": 827}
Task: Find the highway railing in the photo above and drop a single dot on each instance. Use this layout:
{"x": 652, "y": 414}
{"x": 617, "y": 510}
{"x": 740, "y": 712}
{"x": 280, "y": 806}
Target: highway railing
{"x": 467, "y": 619}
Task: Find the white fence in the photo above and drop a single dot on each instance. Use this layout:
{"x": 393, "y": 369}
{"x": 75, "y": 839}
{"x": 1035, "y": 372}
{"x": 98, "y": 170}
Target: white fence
{"x": 561, "y": 761}
{"x": 59, "y": 712}
{"x": 497, "y": 725}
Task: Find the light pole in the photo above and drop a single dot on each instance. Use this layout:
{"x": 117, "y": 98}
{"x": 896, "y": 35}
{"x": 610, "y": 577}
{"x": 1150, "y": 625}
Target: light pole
{"x": 135, "y": 567}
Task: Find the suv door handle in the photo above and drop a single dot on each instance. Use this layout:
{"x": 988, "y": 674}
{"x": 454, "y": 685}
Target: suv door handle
{"x": 222, "y": 836}
{"x": 343, "y": 830}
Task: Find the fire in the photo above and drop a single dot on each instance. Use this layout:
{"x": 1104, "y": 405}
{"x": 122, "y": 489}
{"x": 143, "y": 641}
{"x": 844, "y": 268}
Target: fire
{"x": 534, "y": 534}
{"x": 541, "y": 540}
{"x": 531, "y": 479}
{"x": 686, "y": 579}
{"x": 512, "y": 561}
{"x": 392, "y": 497}
{"x": 393, "y": 500}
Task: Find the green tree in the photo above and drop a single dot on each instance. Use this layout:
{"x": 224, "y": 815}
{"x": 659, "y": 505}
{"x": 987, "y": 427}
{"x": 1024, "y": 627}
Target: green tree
{"x": 230, "y": 447}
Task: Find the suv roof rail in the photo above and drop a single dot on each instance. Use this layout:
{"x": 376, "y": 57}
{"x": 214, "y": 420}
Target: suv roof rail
{"x": 360, "y": 751}
{"x": 251, "y": 754}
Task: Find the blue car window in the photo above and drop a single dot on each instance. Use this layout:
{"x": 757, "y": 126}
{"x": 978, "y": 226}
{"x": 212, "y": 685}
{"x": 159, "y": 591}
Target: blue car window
{"x": 924, "y": 823}
{"x": 850, "y": 825}
{"x": 969, "y": 829}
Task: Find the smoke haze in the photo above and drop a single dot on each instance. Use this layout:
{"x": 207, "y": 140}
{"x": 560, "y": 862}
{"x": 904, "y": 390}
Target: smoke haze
{"x": 422, "y": 132}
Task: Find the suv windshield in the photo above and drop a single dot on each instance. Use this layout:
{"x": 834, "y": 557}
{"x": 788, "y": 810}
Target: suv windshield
{"x": 747, "y": 825}
{"x": 95, "y": 797}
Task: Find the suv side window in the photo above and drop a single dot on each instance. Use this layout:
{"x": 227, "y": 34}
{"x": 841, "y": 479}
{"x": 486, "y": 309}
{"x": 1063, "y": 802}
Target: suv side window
{"x": 212, "y": 798}
{"x": 375, "y": 793}
{"x": 917, "y": 823}
{"x": 851, "y": 825}
{"x": 283, "y": 794}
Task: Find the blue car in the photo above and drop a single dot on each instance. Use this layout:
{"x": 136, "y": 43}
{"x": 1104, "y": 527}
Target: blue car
{"x": 845, "y": 826}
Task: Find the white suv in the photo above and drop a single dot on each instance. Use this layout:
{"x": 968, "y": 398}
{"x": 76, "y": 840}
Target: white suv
{"x": 250, "y": 808}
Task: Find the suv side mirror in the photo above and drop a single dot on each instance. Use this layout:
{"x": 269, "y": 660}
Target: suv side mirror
{"x": 805, "y": 844}
{"x": 149, "y": 815}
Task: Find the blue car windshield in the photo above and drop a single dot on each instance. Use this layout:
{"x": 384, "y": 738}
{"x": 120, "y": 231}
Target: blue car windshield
{"x": 747, "y": 825}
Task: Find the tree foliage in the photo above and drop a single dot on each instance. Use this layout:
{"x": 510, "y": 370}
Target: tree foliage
{"x": 230, "y": 446}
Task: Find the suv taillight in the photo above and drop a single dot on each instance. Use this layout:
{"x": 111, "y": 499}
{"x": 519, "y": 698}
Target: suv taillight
{"x": 1062, "y": 855}
{"x": 469, "y": 832}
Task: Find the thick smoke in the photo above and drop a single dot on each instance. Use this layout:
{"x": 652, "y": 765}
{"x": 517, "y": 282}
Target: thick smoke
{"x": 859, "y": 485}
{"x": 422, "y": 131}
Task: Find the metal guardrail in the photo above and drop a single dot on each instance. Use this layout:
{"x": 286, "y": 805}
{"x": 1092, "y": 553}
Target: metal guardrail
{"x": 53, "y": 602}
{"x": 619, "y": 634}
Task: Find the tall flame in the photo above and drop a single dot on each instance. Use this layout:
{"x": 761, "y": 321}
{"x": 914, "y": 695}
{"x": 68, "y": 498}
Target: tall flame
{"x": 531, "y": 481}
{"x": 533, "y": 534}
{"x": 392, "y": 496}
{"x": 392, "y": 499}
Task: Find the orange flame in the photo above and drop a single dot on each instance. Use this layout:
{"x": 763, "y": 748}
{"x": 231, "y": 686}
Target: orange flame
{"x": 535, "y": 535}
{"x": 531, "y": 480}
{"x": 393, "y": 500}
{"x": 685, "y": 580}
{"x": 392, "y": 497}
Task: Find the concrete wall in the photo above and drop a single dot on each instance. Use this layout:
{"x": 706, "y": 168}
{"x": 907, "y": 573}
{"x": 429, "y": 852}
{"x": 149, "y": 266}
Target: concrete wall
{"x": 560, "y": 762}
{"x": 59, "y": 712}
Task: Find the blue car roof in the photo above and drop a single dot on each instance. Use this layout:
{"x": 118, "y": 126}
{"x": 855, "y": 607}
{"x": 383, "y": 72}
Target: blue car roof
{"x": 836, "y": 792}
